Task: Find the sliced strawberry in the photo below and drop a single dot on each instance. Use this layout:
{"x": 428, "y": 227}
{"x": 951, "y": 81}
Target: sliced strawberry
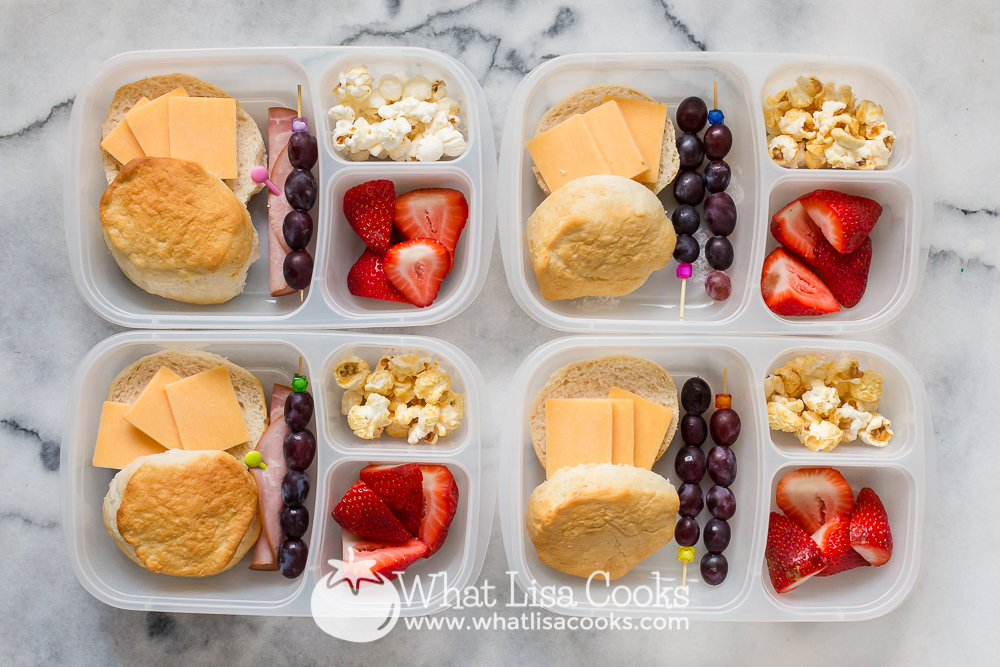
{"x": 369, "y": 210}
{"x": 850, "y": 560}
{"x": 844, "y": 219}
{"x": 812, "y": 496}
{"x": 845, "y": 275}
{"x": 362, "y": 511}
{"x": 792, "y": 228}
{"x": 367, "y": 278}
{"x": 834, "y": 537}
{"x": 789, "y": 287}
{"x": 401, "y": 488}
{"x": 870, "y": 534}
{"x": 390, "y": 558}
{"x": 791, "y": 555}
{"x": 416, "y": 268}
{"x": 440, "y": 505}
{"x": 432, "y": 213}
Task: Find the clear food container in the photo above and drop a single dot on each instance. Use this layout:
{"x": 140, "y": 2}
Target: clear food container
{"x": 273, "y": 357}
{"x": 902, "y": 474}
{"x": 260, "y": 78}
{"x": 759, "y": 187}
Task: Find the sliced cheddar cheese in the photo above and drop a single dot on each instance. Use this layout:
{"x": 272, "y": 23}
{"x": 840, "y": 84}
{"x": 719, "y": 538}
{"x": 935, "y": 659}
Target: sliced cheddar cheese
{"x": 207, "y": 411}
{"x": 118, "y": 442}
{"x": 567, "y": 152}
{"x": 150, "y": 124}
{"x": 203, "y": 129}
{"x": 646, "y": 122}
{"x": 608, "y": 128}
{"x": 121, "y": 143}
{"x": 577, "y": 431}
{"x": 651, "y": 423}
{"x": 622, "y": 431}
{"x": 151, "y": 412}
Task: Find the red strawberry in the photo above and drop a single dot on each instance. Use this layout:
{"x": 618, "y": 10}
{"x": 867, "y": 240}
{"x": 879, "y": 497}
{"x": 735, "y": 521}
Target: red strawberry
{"x": 368, "y": 208}
{"x": 789, "y": 287}
{"x": 844, "y": 219}
{"x": 850, "y": 560}
{"x": 812, "y": 496}
{"x": 367, "y": 278}
{"x": 362, "y": 511}
{"x": 440, "y": 505}
{"x": 416, "y": 268}
{"x": 791, "y": 555}
{"x": 401, "y": 489}
{"x": 792, "y": 228}
{"x": 834, "y": 537}
{"x": 870, "y": 534}
{"x": 389, "y": 557}
{"x": 433, "y": 213}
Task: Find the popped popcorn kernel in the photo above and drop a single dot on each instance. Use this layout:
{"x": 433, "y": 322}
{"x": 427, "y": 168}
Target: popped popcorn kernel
{"x": 351, "y": 373}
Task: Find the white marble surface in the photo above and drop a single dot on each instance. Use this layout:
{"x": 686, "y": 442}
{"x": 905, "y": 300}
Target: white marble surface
{"x": 949, "y": 53}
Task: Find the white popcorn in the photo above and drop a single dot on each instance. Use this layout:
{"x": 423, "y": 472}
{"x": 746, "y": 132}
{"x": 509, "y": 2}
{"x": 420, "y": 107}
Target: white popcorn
{"x": 438, "y": 91}
{"x": 452, "y": 140}
{"x": 341, "y": 112}
{"x": 426, "y": 421}
{"x": 793, "y": 404}
{"x": 821, "y": 399}
{"x": 403, "y": 365}
{"x": 379, "y": 382}
{"x": 826, "y": 119}
{"x": 429, "y": 148}
{"x": 355, "y": 85}
{"x": 452, "y": 408}
{"x": 368, "y": 420}
{"x": 419, "y": 87}
{"x": 784, "y": 150}
{"x": 877, "y": 433}
{"x": 819, "y": 436}
{"x": 350, "y": 398}
{"x": 390, "y": 87}
{"x": 432, "y": 385}
{"x": 358, "y": 156}
{"x": 850, "y": 421}
{"x": 363, "y": 136}
{"x": 341, "y": 133}
{"x": 392, "y": 133}
{"x": 410, "y": 108}
{"x": 794, "y": 124}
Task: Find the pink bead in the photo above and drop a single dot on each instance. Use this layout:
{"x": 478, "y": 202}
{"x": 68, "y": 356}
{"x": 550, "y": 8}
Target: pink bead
{"x": 684, "y": 271}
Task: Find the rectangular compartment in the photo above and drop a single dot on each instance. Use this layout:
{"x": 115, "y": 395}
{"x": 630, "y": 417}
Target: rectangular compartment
{"x": 109, "y": 575}
{"x": 260, "y": 78}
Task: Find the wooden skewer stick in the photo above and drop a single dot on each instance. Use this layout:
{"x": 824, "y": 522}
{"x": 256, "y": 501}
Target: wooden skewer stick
{"x": 715, "y": 94}
{"x": 725, "y": 374}
{"x": 684, "y": 284}
{"x": 300, "y": 365}
{"x": 299, "y": 108}
{"x": 684, "y": 578}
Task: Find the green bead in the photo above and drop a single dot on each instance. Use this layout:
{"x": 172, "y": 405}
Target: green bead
{"x": 252, "y": 459}
{"x": 299, "y": 383}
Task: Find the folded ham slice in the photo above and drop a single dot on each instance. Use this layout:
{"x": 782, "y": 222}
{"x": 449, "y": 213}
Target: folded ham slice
{"x": 271, "y": 448}
{"x": 279, "y": 128}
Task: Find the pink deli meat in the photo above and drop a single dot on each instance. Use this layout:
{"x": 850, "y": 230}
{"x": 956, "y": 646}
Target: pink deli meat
{"x": 279, "y": 128}
{"x": 270, "y": 446}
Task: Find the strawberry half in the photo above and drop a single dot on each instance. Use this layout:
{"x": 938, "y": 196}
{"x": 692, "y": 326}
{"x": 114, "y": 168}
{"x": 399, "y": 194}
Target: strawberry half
{"x": 812, "y": 496}
{"x": 870, "y": 534}
{"x": 791, "y": 555}
{"x": 401, "y": 489}
{"x": 390, "y": 558}
{"x": 416, "y": 268}
{"x": 844, "y": 219}
{"x": 789, "y": 287}
{"x": 834, "y": 537}
{"x": 367, "y": 278}
{"x": 369, "y": 210}
{"x": 439, "y": 214}
{"x": 363, "y": 512}
{"x": 440, "y": 505}
{"x": 850, "y": 560}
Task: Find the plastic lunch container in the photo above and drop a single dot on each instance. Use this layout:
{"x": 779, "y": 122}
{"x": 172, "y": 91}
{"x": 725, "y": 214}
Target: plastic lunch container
{"x": 759, "y": 187}
{"x": 273, "y": 357}
{"x": 260, "y": 78}
{"x": 902, "y": 474}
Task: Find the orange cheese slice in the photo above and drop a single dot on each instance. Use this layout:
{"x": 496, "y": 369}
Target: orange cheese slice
{"x": 206, "y": 411}
{"x": 651, "y": 423}
{"x": 118, "y": 442}
{"x": 607, "y": 125}
{"x": 623, "y": 431}
{"x": 577, "y": 431}
{"x": 646, "y": 121}
{"x": 121, "y": 143}
{"x": 567, "y": 152}
{"x": 150, "y": 124}
{"x": 151, "y": 413}
{"x": 203, "y": 129}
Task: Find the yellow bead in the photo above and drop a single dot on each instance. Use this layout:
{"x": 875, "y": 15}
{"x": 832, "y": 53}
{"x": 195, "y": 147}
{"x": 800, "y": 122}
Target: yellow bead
{"x": 685, "y": 554}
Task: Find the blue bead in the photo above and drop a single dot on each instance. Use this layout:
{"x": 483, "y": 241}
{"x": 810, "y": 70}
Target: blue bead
{"x": 715, "y": 117}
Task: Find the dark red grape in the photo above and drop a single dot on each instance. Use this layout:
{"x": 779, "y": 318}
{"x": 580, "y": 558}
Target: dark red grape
{"x": 300, "y": 449}
{"x": 297, "y": 228}
{"x": 690, "y": 464}
{"x": 718, "y": 285}
{"x": 718, "y": 140}
{"x": 689, "y": 188}
{"x": 724, "y": 426}
{"x": 714, "y": 567}
{"x": 687, "y": 249}
{"x": 301, "y": 189}
{"x": 696, "y": 396}
{"x": 690, "y": 151}
{"x": 720, "y": 213}
{"x": 298, "y": 269}
{"x": 686, "y": 219}
{"x": 687, "y": 532}
{"x": 292, "y": 557}
{"x": 717, "y": 176}
{"x": 721, "y": 502}
{"x": 294, "y": 488}
{"x": 302, "y": 150}
{"x": 717, "y": 534}
{"x": 294, "y": 521}
{"x": 692, "y": 114}
{"x": 694, "y": 430}
{"x": 721, "y": 465}
{"x": 298, "y": 410}
{"x": 719, "y": 252}
{"x": 691, "y": 500}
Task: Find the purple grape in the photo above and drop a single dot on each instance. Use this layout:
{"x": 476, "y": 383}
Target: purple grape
{"x": 694, "y": 430}
{"x": 691, "y": 500}
{"x": 696, "y": 396}
{"x": 717, "y": 534}
{"x": 719, "y": 252}
{"x": 687, "y": 532}
{"x": 720, "y": 213}
{"x": 297, "y": 228}
{"x": 302, "y": 150}
{"x": 721, "y": 465}
{"x": 687, "y": 249}
{"x": 292, "y": 557}
{"x": 689, "y": 188}
{"x": 724, "y": 426}
{"x": 717, "y": 176}
{"x": 690, "y": 151}
{"x": 298, "y": 410}
{"x": 298, "y": 269}
{"x": 690, "y": 464}
{"x": 718, "y": 285}
{"x": 300, "y": 449}
{"x": 721, "y": 502}
{"x": 718, "y": 141}
{"x": 294, "y": 521}
{"x": 714, "y": 568}
{"x": 692, "y": 114}
{"x": 301, "y": 189}
{"x": 294, "y": 488}
{"x": 686, "y": 219}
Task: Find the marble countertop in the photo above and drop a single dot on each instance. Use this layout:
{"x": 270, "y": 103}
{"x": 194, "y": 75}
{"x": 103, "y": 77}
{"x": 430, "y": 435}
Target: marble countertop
{"x": 949, "y": 53}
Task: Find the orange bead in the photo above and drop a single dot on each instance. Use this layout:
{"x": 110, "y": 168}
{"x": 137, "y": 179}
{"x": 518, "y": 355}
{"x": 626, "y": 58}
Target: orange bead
{"x": 723, "y": 401}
